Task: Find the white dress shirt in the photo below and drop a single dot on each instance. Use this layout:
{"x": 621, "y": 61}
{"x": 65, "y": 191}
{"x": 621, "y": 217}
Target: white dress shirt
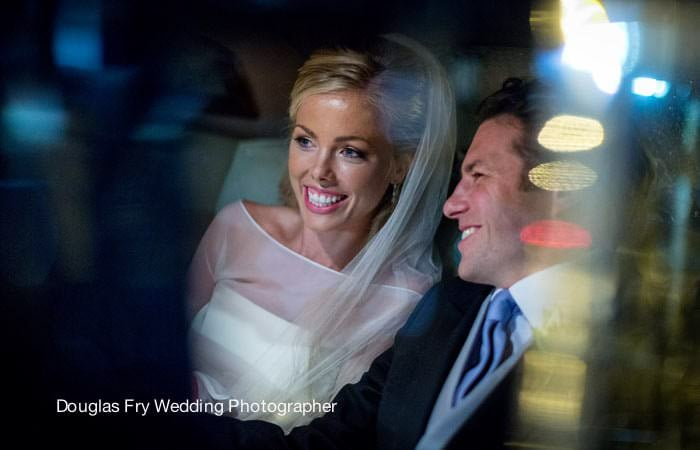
{"x": 543, "y": 298}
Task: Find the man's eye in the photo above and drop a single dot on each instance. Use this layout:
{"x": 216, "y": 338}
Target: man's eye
{"x": 476, "y": 175}
{"x": 303, "y": 141}
{"x": 353, "y": 153}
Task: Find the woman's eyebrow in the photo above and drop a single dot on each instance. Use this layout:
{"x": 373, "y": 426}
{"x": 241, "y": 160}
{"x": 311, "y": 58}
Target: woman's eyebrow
{"x": 351, "y": 138}
{"x": 337, "y": 139}
{"x": 308, "y": 131}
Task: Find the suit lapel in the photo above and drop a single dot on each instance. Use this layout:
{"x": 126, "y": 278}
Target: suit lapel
{"x": 424, "y": 353}
{"x": 493, "y": 420}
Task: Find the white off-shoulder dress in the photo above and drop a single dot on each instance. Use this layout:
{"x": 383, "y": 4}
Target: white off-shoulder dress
{"x": 253, "y": 288}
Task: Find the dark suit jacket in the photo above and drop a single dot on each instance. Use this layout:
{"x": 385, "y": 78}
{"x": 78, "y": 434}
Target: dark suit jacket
{"x": 390, "y": 406}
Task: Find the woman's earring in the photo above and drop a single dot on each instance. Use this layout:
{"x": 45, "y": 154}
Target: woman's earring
{"x": 395, "y": 194}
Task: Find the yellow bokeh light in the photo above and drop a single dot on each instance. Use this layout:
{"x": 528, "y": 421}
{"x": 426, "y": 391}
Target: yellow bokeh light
{"x": 593, "y": 44}
{"x": 571, "y": 134}
{"x": 562, "y": 176}
{"x": 578, "y": 14}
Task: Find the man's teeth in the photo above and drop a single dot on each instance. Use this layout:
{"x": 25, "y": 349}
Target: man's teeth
{"x": 468, "y": 232}
{"x": 323, "y": 200}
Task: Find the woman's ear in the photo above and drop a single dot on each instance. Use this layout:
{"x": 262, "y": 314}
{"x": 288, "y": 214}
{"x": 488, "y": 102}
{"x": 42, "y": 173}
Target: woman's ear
{"x": 400, "y": 166}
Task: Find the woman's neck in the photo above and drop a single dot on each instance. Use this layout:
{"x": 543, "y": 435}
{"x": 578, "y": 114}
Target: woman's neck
{"x": 333, "y": 249}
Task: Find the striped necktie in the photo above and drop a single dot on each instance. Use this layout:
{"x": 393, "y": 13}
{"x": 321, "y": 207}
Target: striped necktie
{"x": 494, "y": 344}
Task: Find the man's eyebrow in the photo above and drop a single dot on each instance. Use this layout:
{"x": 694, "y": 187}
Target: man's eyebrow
{"x": 470, "y": 167}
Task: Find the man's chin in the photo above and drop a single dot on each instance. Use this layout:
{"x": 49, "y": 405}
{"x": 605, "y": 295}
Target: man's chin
{"x": 466, "y": 274}
{"x": 472, "y": 276}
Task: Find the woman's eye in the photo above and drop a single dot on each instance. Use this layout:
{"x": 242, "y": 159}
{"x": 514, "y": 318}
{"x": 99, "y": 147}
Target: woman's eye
{"x": 303, "y": 142}
{"x": 350, "y": 152}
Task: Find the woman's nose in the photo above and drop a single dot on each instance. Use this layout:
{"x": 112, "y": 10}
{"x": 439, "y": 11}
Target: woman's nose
{"x": 322, "y": 170}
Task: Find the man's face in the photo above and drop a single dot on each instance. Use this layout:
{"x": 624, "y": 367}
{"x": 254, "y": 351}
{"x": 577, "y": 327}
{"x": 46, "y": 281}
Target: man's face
{"x": 492, "y": 208}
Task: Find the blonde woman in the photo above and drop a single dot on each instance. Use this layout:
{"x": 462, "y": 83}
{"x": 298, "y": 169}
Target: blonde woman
{"x": 292, "y": 302}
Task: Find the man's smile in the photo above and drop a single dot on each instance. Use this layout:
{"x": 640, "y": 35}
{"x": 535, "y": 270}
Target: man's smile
{"x": 469, "y": 231}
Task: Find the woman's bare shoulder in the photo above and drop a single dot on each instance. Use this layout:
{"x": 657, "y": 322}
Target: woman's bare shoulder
{"x": 281, "y": 222}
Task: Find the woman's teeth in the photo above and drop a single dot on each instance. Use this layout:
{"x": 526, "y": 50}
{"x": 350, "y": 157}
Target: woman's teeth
{"x": 322, "y": 200}
{"x": 468, "y": 232}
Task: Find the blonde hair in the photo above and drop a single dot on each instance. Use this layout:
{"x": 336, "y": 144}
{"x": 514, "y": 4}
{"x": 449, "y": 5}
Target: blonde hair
{"x": 394, "y": 83}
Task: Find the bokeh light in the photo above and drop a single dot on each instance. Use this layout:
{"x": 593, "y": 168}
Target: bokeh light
{"x": 556, "y": 234}
{"x": 34, "y": 117}
{"x": 593, "y": 44}
{"x": 650, "y": 87}
{"x": 571, "y": 134}
{"x": 562, "y": 176}
{"x": 78, "y": 43}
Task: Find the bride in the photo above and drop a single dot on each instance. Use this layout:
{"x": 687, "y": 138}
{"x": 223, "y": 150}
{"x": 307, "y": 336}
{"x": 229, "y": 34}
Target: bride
{"x": 292, "y": 302}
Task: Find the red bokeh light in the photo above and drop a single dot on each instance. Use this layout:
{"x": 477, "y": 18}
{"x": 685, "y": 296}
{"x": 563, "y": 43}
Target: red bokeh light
{"x": 556, "y": 234}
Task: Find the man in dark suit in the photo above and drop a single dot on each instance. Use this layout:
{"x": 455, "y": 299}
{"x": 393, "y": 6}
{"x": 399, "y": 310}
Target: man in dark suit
{"x": 449, "y": 380}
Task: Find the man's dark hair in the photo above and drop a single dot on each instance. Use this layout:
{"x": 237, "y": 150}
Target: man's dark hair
{"x": 529, "y": 102}
{"x": 516, "y": 98}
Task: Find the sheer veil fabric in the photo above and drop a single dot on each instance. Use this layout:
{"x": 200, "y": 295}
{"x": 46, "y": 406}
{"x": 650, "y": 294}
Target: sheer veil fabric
{"x": 334, "y": 337}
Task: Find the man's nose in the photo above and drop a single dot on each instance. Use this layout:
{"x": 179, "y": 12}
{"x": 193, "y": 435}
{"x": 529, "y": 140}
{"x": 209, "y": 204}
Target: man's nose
{"x": 456, "y": 203}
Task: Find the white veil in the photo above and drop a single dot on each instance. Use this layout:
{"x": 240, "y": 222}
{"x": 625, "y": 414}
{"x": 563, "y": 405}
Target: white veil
{"x": 346, "y": 328}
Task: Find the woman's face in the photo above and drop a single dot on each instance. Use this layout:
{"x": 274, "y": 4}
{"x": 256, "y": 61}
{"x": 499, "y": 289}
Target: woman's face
{"x": 340, "y": 162}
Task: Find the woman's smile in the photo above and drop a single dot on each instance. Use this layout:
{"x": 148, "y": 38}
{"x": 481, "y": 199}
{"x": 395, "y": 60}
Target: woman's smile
{"x": 321, "y": 201}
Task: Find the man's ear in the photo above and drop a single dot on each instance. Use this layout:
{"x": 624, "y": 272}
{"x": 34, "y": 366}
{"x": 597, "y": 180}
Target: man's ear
{"x": 400, "y": 166}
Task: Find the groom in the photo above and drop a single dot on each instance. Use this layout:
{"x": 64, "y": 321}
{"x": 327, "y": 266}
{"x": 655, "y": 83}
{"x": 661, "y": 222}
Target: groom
{"x": 450, "y": 379}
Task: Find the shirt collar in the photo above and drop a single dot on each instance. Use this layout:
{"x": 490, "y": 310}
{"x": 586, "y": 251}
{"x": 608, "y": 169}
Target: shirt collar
{"x": 541, "y": 296}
